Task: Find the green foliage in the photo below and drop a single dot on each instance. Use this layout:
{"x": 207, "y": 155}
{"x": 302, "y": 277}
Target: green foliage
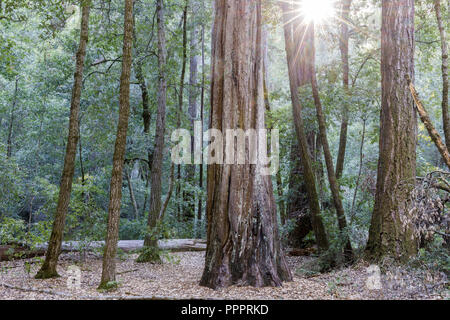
{"x": 12, "y": 230}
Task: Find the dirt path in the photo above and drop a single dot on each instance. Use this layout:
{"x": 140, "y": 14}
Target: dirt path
{"x": 178, "y": 278}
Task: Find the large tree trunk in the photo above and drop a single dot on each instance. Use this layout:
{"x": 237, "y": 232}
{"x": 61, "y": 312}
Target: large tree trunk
{"x": 243, "y": 242}
{"x": 343, "y": 45}
{"x": 309, "y": 178}
{"x": 444, "y": 47}
{"x": 391, "y": 231}
{"x": 334, "y": 185}
{"x": 115, "y": 194}
{"x": 156, "y": 173}
{"x": 48, "y": 269}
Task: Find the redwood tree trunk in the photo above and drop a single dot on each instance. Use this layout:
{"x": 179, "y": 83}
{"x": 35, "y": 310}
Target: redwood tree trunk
{"x": 243, "y": 243}
{"x": 48, "y": 269}
{"x": 391, "y": 234}
{"x": 115, "y": 194}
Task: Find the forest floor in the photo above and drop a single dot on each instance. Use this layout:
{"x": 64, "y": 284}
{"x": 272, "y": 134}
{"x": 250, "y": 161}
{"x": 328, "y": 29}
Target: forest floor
{"x": 179, "y": 275}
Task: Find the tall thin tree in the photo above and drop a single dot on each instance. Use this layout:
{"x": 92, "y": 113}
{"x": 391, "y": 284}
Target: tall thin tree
{"x": 48, "y": 269}
{"x": 334, "y": 184}
{"x": 343, "y": 46}
{"x": 156, "y": 173}
{"x": 115, "y": 193}
{"x": 309, "y": 176}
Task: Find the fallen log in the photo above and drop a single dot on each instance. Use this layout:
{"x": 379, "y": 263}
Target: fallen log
{"x": 13, "y": 252}
{"x": 175, "y": 245}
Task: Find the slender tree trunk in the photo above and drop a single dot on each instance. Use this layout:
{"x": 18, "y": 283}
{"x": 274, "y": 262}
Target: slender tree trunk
{"x": 243, "y": 243}
{"x": 48, "y": 269}
{"x": 11, "y": 121}
{"x": 169, "y": 193}
{"x": 146, "y": 116}
{"x": 310, "y": 181}
{"x": 133, "y": 199}
{"x": 202, "y": 107}
{"x": 391, "y": 231}
{"x": 361, "y": 157}
{"x": 278, "y": 180}
{"x": 115, "y": 194}
{"x": 334, "y": 185}
{"x": 444, "y": 47}
{"x": 192, "y": 111}
{"x": 179, "y": 192}
{"x": 156, "y": 173}
{"x": 343, "y": 45}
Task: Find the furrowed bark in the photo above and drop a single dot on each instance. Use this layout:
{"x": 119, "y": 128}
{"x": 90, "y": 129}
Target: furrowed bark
{"x": 48, "y": 269}
{"x": 391, "y": 232}
{"x": 115, "y": 194}
{"x": 243, "y": 242}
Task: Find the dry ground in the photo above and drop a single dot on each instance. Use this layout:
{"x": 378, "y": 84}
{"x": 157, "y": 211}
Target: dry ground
{"x": 178, "y": 278}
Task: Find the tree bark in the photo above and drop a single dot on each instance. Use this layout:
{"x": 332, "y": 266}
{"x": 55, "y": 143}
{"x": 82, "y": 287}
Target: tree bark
{"x": 343, "y": 46}
{"x": 391, "y": 233}
{"x": 243, "y": 242}
{"x": 156, "y": 173}
{"x": 48, "y": 269}
{"x": 115, "y": 195}
{"x": 444, "y": 48}
{"x": 309, "y": 178}
{"x": 334, "y": 185}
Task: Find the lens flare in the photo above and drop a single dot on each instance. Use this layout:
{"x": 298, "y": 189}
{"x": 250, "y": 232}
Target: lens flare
{"x": 317, "y": 11}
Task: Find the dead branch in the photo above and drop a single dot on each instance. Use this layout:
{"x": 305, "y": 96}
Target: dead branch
{"x": 428, "y": 124}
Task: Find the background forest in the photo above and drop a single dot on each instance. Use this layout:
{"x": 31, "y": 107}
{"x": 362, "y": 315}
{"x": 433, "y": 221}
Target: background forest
{"x": 38, "y": 46}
